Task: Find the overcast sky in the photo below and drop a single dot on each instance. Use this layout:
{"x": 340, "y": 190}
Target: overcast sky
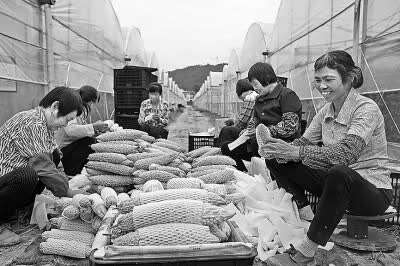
{"x": 190, "y": 32}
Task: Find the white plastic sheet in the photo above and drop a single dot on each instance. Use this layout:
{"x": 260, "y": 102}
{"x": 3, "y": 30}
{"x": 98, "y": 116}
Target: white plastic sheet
{"x": 134, "y": 47}
{"x": 88, "y": 43}
{"x": 268, "y": 212}
{"x": 254, "y": 45}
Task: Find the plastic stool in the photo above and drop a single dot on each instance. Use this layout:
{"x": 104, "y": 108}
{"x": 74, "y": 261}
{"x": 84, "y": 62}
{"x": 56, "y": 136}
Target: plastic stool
{"x": 360, "y": 236}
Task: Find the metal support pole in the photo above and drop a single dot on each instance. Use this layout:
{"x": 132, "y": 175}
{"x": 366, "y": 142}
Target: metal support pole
{"x": 364, "y": 31}
{"x": 50, "y": 49}
{"x": 356, "y": 30}
{"x": 106, "y": 104}
{"x": 224, "y": 98}
{"x": 266, "y": 56}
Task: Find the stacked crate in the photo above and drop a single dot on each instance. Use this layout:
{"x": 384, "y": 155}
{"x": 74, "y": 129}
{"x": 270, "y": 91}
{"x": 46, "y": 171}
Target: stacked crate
{"x": 130, "y": 89}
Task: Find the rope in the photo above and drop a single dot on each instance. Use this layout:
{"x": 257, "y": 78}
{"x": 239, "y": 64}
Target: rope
{"x": 309, "y": 86}
{"x": 379, "y": 91}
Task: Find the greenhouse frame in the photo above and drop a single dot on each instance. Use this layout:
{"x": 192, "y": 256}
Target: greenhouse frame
{"x": 71, "y": 43}
{"x": 304, "y": 30}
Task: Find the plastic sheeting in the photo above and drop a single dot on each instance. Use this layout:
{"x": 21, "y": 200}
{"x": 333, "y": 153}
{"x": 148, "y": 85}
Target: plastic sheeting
{"x": 88, "y": 43}
{"x": 21, "y": 48}
{"x": 306, "y": 29}
{"x": 134, "y": 47}
{"x": 316, "y": 27}
{"x": 153, "y": 62}
{"x": 233, "y": 64}
{"x": 254, "y": 45}
{"x": 95, "y": 20}
{"x": 297, "y": 18}
{"x": 225, "y": 73}
{"x": 216, "y": 78}
{"x": 382, "y": 18}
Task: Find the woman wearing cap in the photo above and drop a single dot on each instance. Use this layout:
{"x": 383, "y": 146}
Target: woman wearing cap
{"x": 153, "y": 117}
{"x": 75, "y": 139}
{"x": 349, "y": 172}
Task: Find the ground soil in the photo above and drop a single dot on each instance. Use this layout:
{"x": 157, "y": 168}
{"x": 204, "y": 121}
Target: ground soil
{"x": 27, "y": 253}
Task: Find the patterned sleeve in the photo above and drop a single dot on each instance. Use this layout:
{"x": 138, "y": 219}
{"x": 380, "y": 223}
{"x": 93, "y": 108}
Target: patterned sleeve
{"x": 164, "y": 115}
{"x": 142, "y": 114}
{"x": 287, "y": 127}
{"x": 345, "y": 152}
{"x": 251, "y": 126}
{"x": 245, "y": 115}
{"x": 302, "y": 141}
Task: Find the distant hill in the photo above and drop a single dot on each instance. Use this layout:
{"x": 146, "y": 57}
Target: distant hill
{"x": 192, "y": 77}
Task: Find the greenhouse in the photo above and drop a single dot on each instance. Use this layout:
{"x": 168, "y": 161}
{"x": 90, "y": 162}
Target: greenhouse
{"x": 85, "y": 44}
{"x": 306, "y": 29}
{"x": 130, "y": 133}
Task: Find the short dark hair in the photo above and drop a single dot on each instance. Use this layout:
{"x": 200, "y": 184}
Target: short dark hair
{"x": 342, "y": 62}
{"x": 243, "y": 85}
{"x": 68, "y": 100}
{"x": 88, "y": 94}
{"x": 263, "y": 72}
{"x": 155, "y": 87}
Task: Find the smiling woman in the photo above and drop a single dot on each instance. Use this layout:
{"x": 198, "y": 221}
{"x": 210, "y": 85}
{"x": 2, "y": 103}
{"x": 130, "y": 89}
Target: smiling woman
{"x": 334, "y": 80}
{"x": 26, "y": 146}
{"x": 349, "y": 169}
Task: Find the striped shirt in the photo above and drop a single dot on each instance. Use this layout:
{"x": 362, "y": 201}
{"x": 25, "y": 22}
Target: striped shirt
{"x": 23, "y": 136}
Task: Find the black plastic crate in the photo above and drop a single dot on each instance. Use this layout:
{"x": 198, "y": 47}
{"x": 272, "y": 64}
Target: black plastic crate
{"x": 133, "y": 76}
{"x": 282, "y": 80}
{"x": 127, "y": 121}
{"x": 396, "y": 197}
{"x": 129, "y": 97}
{"x": 395, "y": 177}
{"x": 198, "y": 140}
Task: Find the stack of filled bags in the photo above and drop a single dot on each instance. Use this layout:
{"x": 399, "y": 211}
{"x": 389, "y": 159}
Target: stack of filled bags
{"x": 214, "y": 171}
{"x": 168, "y": 217}
{"x": 75, "y": 229}
{"x": 162, "y": 160}
{"x": 177, "y": 198}
{"x": 181, "y": 202}
{"x": 163, "y": 165}
{"x": 110, "y": 165}
{"x": 81, "y": 217}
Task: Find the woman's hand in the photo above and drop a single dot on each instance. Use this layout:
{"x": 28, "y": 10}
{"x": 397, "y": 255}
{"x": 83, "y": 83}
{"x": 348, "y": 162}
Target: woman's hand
{"x": 73, "y": 192}
{"x": 100, "y": 127}
{"x": 279, "y": 149}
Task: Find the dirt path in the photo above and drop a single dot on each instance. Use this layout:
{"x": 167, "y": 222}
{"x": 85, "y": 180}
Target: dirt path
{"x": 189, "y": 121}
{"x": 8, "y": 254}
{"x": 195, "y": 121}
